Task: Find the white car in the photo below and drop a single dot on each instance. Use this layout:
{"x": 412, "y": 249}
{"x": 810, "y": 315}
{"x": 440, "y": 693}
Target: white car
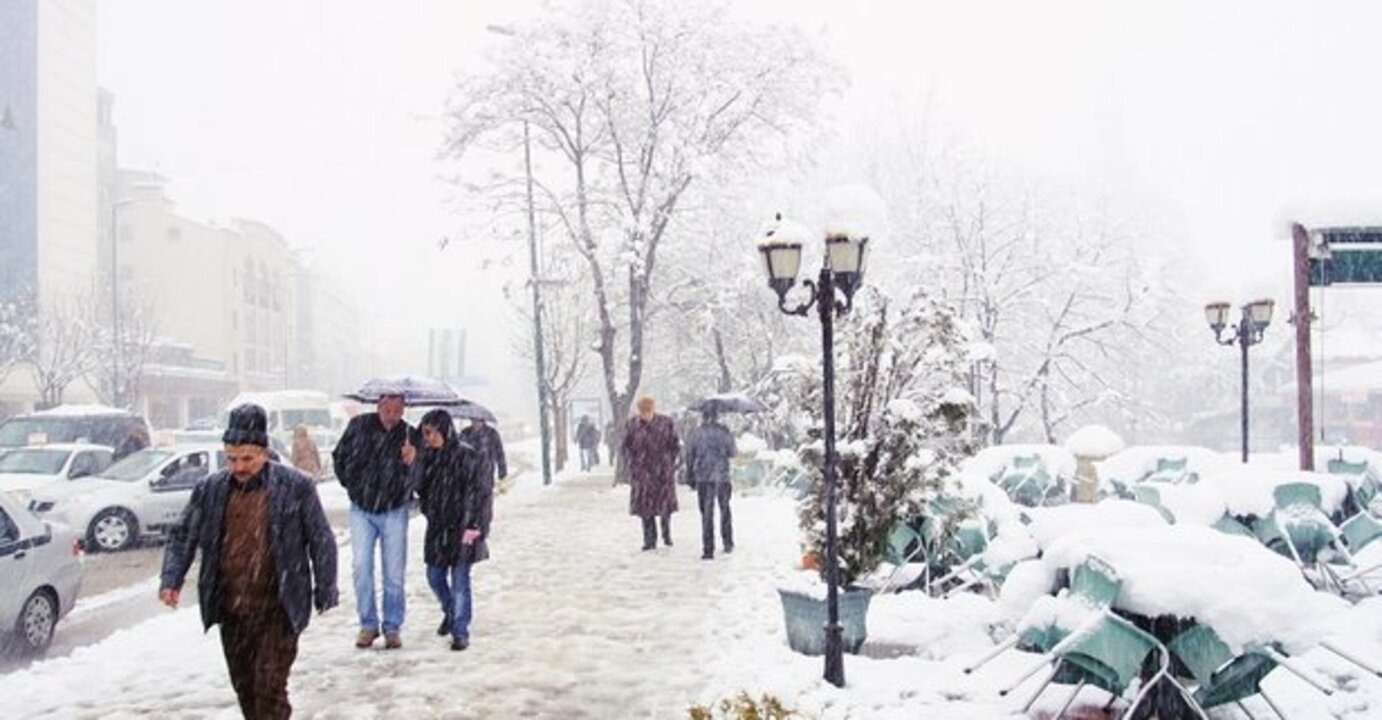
{"x": 138, "y": 497}
{"x": 23, "y": 469}
{"x": 40, "y": 576}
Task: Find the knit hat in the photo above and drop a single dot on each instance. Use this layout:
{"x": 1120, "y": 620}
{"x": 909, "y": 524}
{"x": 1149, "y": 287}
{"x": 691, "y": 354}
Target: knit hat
{"x": 248, "y": 426}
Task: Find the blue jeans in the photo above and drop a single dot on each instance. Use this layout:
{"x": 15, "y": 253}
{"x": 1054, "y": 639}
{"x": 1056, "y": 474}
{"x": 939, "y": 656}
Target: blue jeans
{"x": 452, "y": 588}
{"x": 389, "y": 530}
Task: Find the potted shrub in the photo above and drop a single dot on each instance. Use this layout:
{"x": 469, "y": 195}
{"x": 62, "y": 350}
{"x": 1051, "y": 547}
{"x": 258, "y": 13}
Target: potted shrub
{"x": 907, "y": 423}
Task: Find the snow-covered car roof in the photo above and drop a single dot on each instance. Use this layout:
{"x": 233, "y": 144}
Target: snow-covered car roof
{"x": 81, "y": 411}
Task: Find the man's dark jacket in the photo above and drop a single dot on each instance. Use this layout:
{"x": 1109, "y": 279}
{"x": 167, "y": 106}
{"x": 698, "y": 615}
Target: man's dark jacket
{"x": 486, "y": 439}
{"x": 369, "y": 463}
{"x": 303, "y": 546}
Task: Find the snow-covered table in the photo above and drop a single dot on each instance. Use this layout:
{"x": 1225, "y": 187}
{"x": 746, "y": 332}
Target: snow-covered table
{"x": 1245, "y": 592}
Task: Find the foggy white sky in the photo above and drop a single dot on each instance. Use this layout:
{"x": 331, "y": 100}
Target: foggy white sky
{"x": 320, "y": 118}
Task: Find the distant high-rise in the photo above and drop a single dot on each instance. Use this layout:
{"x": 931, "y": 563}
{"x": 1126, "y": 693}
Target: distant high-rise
{"x": 48, "y": 148}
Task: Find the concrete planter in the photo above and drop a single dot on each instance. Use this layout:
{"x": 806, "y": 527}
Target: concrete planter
{"x": 806, "y": 616}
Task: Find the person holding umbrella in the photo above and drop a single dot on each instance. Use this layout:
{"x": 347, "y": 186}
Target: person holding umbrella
{"x": 373, "y": 462}
{"x": 650, "y": 450}
{"x": 708, "y": 451}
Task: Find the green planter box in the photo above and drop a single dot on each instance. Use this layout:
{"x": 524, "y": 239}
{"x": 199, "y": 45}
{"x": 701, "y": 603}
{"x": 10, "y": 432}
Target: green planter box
{"x": 806, "y": 617}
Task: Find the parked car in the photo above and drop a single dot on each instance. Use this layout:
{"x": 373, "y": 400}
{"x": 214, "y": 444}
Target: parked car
{"x": 93, "y": 424}
{"x": 40, "y": 576}
{"x": 23, "y": 469}
{"x": 138, "y": 497}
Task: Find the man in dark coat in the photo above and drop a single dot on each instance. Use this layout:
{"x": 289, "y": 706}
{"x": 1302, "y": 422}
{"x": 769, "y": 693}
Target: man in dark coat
{"x": 486, "y": 439}
{"x": 373, "y": 461}
{"x": 650, "y": 450}
{"x": 456, "y": 494}
{"x": 588, "y": 438}
{"x": 708, "y": 452}
{"x": 268, "y": 557}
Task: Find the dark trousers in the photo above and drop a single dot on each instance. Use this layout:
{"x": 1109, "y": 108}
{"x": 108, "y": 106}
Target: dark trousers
{"x": 650, "y": 531}
{"x": 709, "y": 494}
{"x": 259, "y": 651}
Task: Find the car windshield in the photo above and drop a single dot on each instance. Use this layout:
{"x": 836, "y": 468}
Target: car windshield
{"x": 136, "y": 466}
{"x": 33, "y": 460}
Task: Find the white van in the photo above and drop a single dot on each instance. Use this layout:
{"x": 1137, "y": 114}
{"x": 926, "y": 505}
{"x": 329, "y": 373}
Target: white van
{"x": 286, "y": 409}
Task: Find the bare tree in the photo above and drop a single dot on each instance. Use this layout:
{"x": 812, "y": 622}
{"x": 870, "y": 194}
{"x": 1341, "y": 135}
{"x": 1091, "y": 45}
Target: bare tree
{"x": 118, "y": 363}
{"x": 62, "y": 350}
{"x": 634, "y": 103}
{"x": 18, "y": 326}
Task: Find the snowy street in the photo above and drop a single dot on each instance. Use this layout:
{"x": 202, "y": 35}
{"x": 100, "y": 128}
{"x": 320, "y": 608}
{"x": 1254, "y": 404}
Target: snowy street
{"x": 572, "y": 620}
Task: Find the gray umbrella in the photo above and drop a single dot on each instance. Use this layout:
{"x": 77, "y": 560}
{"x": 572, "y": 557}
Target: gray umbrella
{"x": 415, "y": 390}
{"x": 471, "y": 411}
{"x": 727, "y": 403}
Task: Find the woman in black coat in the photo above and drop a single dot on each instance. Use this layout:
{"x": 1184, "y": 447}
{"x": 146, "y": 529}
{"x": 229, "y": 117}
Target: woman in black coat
{"x": 456, "y": 493}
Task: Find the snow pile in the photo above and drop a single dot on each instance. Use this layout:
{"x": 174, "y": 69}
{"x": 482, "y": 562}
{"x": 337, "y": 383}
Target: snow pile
{"x": 1050, "y": 524}
{"x": 990, "y": 461}
{"x": 1095, "y": 441}
{"x": 81, "y": 411}
{"x": 1234, "y": 584}
{"x": 784, "y": 232}
{"x": 1247, "y": 489}
{"x": 937, "y": 629}
{"x": 1137, "y": 462}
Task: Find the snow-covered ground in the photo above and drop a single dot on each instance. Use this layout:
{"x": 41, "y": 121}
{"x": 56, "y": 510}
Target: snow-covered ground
{"x": 574, "y": 621}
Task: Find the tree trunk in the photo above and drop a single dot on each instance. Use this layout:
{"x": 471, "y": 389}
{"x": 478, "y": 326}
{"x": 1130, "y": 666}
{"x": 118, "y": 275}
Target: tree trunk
{"x": 559, "y": 436}
{"x": 726, "y": 383}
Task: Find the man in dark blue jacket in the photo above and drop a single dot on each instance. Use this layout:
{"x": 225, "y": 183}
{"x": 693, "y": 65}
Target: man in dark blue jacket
{"x": 374, "y": 460}
{"x": 268, "y": 557}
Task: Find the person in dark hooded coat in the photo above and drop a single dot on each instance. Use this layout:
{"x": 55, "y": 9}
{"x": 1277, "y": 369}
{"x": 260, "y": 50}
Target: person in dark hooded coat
{"x": 650, "y": 449}
{"x": 456, "y": 495}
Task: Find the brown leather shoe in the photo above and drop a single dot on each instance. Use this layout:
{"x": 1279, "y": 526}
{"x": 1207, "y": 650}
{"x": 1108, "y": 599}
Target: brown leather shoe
{"x": 392, "y": 641}
{"x": 366, "y": 638}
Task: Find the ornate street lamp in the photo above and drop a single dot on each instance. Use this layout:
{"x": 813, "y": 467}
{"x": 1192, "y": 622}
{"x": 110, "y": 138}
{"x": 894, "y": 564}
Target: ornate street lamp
{"x": 1256, "y": 316}
{"x": 841, "y": 274}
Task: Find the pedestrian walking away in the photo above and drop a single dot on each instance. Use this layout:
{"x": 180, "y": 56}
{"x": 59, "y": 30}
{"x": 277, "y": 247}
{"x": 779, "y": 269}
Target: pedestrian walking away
{"x": 374, "y": 460}
{"x": 588, "y": 438}
{"x": 456, "y": 495}
{"x": 305, "y": 455}
{"x": 267, "y": 558}
{"x": 481, "y": 436}
{"x": 650, "y": 449}
{"x": 708, "y": 452}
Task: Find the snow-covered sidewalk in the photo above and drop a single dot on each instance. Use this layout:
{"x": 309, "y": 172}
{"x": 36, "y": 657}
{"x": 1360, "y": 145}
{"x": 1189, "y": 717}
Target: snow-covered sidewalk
{"x": 572, "y": 620}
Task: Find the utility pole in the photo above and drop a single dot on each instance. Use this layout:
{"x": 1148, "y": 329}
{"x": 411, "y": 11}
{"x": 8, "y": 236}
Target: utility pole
{"x": 1305, "y": 420}
{"x": 542, "y": 393}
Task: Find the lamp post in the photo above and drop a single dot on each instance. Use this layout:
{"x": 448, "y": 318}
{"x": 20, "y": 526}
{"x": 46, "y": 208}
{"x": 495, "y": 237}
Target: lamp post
{"x": 841, "y": 274}
{"x": 117, "y": 392}
{"x": 538, "y": 356}
{"x": 1256, "y": 316}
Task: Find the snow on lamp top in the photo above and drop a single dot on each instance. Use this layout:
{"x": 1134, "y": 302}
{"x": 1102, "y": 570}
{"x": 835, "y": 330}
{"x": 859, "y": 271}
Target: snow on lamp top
{"x": 1094, "y": 441}
{"x": 854, "y": 211}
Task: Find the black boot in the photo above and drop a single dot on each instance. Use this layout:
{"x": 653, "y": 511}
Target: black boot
{"x": 667, "y": 530}
{"x": 445, "y": 628}
{"x": 649, "y": 533}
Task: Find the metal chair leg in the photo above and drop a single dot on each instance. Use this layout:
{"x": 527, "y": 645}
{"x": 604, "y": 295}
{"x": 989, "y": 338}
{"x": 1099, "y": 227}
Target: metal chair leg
{"x": 1245, "y": 709}
{"x": 1002, "y": 648}
{"x": 1268, "y": 699}
{"x": 1036, "y": 668}
{"x": 1332, "y": 648}
{"x": 1291, "y": 667}
{"x": 1069, "y": 701}
{"x": 1041, "y": 689}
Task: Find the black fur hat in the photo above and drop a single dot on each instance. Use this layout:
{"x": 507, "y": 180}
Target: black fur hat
{"x": 248, "y": 426}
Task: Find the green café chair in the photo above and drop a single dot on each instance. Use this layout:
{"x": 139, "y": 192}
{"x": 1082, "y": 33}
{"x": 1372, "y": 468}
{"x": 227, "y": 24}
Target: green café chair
{"x": 1223, "y": 677}
{"x": 1360, "y": 530}
{"x": 1151, "y": 495}
{"x": 1093, "y": 583}
{"x": 1229, "y": 525}
{"x": 1169, "y": 470}
{"x": 1017, "y": 470}
{"x": 1110, "y": 655}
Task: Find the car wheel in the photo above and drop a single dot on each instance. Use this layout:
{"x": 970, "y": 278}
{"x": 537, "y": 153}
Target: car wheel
{"x": 112, "y": 529}
{"x": 34, "y": 628}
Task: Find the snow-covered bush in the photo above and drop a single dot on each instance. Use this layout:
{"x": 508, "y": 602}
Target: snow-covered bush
{"x": 904, "y": 422}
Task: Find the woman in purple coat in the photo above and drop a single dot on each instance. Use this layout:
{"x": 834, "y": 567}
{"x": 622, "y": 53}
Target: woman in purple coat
{"x": 650, "y": 451}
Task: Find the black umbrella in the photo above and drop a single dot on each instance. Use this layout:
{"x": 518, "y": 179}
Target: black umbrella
{"x": 727, "y": 403}
{"x": 415, "y": 390}
{"x": 471, "y": 411}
